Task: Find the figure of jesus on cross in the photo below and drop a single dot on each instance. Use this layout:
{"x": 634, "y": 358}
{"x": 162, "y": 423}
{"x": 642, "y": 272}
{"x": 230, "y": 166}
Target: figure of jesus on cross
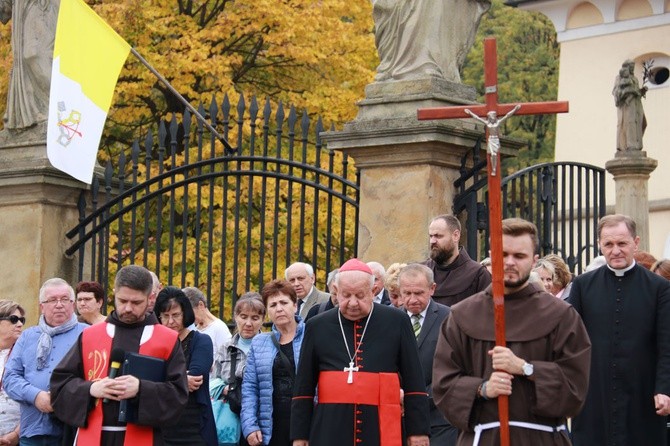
{"x": 491, "y": 110}
{"x": 492, "y": 124}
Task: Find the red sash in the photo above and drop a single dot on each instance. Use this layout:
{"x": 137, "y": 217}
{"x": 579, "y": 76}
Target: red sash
{"x": 96, "y": 345}
{"x": 372, "y": 389}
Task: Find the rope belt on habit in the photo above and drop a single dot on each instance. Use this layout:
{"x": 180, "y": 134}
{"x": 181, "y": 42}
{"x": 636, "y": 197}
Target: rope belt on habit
{"x": 373, "y": 389}
{"x": 114, "y": 428}
{"x": 538, "y": 427}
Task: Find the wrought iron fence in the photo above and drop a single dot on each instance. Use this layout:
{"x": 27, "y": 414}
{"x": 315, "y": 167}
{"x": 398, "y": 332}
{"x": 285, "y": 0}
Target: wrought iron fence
{"x": 564, "y": 200}
{"x": 226, "y": 221}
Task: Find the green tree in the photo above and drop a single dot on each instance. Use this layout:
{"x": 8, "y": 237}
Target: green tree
{"x": 528, "y": 58}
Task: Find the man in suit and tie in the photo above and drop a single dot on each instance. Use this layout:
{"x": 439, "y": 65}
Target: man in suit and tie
{"x": 416, "y": 288}
{"x": 301, "y": 276}
{"x": 381, "y": 294}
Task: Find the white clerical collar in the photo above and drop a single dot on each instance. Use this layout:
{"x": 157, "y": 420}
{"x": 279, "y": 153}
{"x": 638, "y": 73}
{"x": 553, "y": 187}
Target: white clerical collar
{"x": 621, "y": 272}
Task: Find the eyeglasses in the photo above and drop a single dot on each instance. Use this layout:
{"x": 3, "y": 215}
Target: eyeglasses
{"x": 13, "y": 319}
{"x": 85, "y": 299}
{"x": 62, "y": 300}
{"x": 175, "y": 317}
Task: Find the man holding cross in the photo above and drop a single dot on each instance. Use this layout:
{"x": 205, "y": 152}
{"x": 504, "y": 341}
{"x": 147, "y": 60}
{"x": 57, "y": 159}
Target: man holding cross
{"x": 543, "y": 370}
{"x": 359, "y": 355}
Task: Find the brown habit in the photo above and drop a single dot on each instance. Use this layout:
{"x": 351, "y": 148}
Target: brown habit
{"x": 544, "y": 331}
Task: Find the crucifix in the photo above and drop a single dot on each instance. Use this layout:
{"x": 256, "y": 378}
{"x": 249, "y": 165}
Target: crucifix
{"x": 490, "y": 110}
{"x": 351, "y": 369}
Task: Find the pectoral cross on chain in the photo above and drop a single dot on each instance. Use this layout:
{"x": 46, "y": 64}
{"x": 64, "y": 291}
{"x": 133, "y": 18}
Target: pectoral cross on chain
{"x": 351, "y": 369}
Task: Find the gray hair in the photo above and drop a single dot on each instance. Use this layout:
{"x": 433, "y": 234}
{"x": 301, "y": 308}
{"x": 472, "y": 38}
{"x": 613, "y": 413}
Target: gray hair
{"x": 156, "y": 282}
{"x": 307, "y": 266}
{"x": 54, "y": 282}
{"x": 195, "y": 296}
{"x": 377, "y": 268}
{"x": 596, "y": 263}
{"x": 416, "y": 269}
{"x": 251, "y": 301}
{"x": 331, "y": 276}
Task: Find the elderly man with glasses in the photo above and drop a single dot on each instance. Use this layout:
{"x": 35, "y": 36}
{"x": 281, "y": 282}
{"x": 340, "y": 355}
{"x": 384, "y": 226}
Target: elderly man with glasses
{"x": 33, "y": 358}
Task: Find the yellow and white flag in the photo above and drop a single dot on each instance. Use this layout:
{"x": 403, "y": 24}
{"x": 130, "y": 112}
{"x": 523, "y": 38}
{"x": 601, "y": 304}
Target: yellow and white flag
{"x": 88, "y": 56}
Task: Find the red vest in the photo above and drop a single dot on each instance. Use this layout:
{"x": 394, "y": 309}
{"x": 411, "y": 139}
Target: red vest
{"x": 96, "y": 345}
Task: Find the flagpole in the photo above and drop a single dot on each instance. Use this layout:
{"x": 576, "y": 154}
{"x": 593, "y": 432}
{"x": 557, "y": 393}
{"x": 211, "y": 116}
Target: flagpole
{"x": 183, "y": 100}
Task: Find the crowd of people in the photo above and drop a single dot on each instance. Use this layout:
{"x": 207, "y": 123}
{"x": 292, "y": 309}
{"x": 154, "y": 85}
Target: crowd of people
{"x": 399, "y": 356}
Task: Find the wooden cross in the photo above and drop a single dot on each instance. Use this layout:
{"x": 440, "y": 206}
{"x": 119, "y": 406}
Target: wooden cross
{"x": 491, "y": 110}
{"x": 351, "y": 369}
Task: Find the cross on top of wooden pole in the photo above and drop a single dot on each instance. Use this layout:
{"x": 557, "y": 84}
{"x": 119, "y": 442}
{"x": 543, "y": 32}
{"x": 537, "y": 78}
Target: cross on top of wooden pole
{"x": 491, "y": 110}
{"x": 491, "y": 96}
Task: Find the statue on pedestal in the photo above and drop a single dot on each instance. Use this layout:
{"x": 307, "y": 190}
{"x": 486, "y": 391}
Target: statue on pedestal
{"x": 33, "y": 34}
{"x": 631, "y": 121}
{"x": 422, "y": 38}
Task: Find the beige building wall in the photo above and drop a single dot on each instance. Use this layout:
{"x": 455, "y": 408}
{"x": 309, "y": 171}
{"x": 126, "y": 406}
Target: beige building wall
{"x": 591, "y": 55}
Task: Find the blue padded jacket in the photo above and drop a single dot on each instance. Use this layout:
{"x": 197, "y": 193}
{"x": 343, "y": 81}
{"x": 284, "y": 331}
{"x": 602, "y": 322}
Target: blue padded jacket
{"x": 256, "y": 411}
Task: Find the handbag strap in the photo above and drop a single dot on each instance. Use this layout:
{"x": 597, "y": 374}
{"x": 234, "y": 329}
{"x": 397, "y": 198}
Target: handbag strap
{"x": 284, "y": 358}
{"x": 233, "y": 366}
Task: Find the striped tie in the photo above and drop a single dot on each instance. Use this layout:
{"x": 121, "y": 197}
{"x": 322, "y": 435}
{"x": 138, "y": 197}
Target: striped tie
{"x": 416, "y": 324}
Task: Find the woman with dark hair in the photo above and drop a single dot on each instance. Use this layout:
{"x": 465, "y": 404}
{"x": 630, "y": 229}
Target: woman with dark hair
{"x": 12, "y": 318}
{"x": 196, "y": 425}
{"x": 267, "y": 388}
{"x": 90, "y": 298}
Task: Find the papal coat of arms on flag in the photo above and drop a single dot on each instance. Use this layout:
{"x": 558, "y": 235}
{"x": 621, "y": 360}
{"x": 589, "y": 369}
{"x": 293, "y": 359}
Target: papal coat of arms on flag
{"x": 88, "y": 56}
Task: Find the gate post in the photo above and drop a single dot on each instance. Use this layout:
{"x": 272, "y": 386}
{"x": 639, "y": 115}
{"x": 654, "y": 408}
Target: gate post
{"x": 407, "y": 167}
{"x": 38, "y": 205}
{"x": 631, "y": 170}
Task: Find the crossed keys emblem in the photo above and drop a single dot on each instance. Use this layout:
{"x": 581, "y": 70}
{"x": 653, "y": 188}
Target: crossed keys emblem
{"x": 68, "y": 124}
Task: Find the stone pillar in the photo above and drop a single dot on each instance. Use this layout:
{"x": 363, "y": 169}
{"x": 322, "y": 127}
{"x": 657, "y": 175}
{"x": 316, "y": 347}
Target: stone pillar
{"x": 631, "y": 169}
{"x": 407, "y": 167}
{"x": 38, "y": 205}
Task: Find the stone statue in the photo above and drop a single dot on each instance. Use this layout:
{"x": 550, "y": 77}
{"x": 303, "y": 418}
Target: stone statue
{"x": 631, "y": 121}
{"x": 492, "y": 124}
{"x": 33, "y": 35}
{"x": 422, "y": 38}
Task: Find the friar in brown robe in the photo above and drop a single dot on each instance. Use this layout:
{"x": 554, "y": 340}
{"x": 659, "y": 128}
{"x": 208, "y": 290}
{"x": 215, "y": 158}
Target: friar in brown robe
{"x": 547, "y": 333}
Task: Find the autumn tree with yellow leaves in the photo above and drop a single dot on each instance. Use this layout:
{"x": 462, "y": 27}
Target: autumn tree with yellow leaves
{"x": 315, "y": 55}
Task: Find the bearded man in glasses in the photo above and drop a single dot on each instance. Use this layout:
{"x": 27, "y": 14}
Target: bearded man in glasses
{"x": 33, "y": 359}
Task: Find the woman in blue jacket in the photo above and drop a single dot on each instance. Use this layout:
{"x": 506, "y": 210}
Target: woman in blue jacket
{"x": 196, "y": 426}
{"x": 267, "y": 387}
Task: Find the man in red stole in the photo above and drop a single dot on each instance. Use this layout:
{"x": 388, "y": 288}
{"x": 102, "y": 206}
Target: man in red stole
{"x": 83, "y": 394}
{"x": 360, "y": 355}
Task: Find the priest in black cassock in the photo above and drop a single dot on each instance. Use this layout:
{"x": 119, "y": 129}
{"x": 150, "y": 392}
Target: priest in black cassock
{"x": 361, "y": 356}
{"x": 82, "y": 393}
{"x": 626, "y": 311}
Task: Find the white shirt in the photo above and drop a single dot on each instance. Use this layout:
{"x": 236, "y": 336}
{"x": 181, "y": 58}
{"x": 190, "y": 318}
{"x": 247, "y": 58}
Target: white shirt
{"x": 219, "y": 333}
{"x": 423, "y": 316}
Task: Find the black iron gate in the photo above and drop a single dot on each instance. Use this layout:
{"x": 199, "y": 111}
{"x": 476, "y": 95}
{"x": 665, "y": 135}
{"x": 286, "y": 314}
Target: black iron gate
{"x": 565, "y": 201}
{"x": 226, "y": 221}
